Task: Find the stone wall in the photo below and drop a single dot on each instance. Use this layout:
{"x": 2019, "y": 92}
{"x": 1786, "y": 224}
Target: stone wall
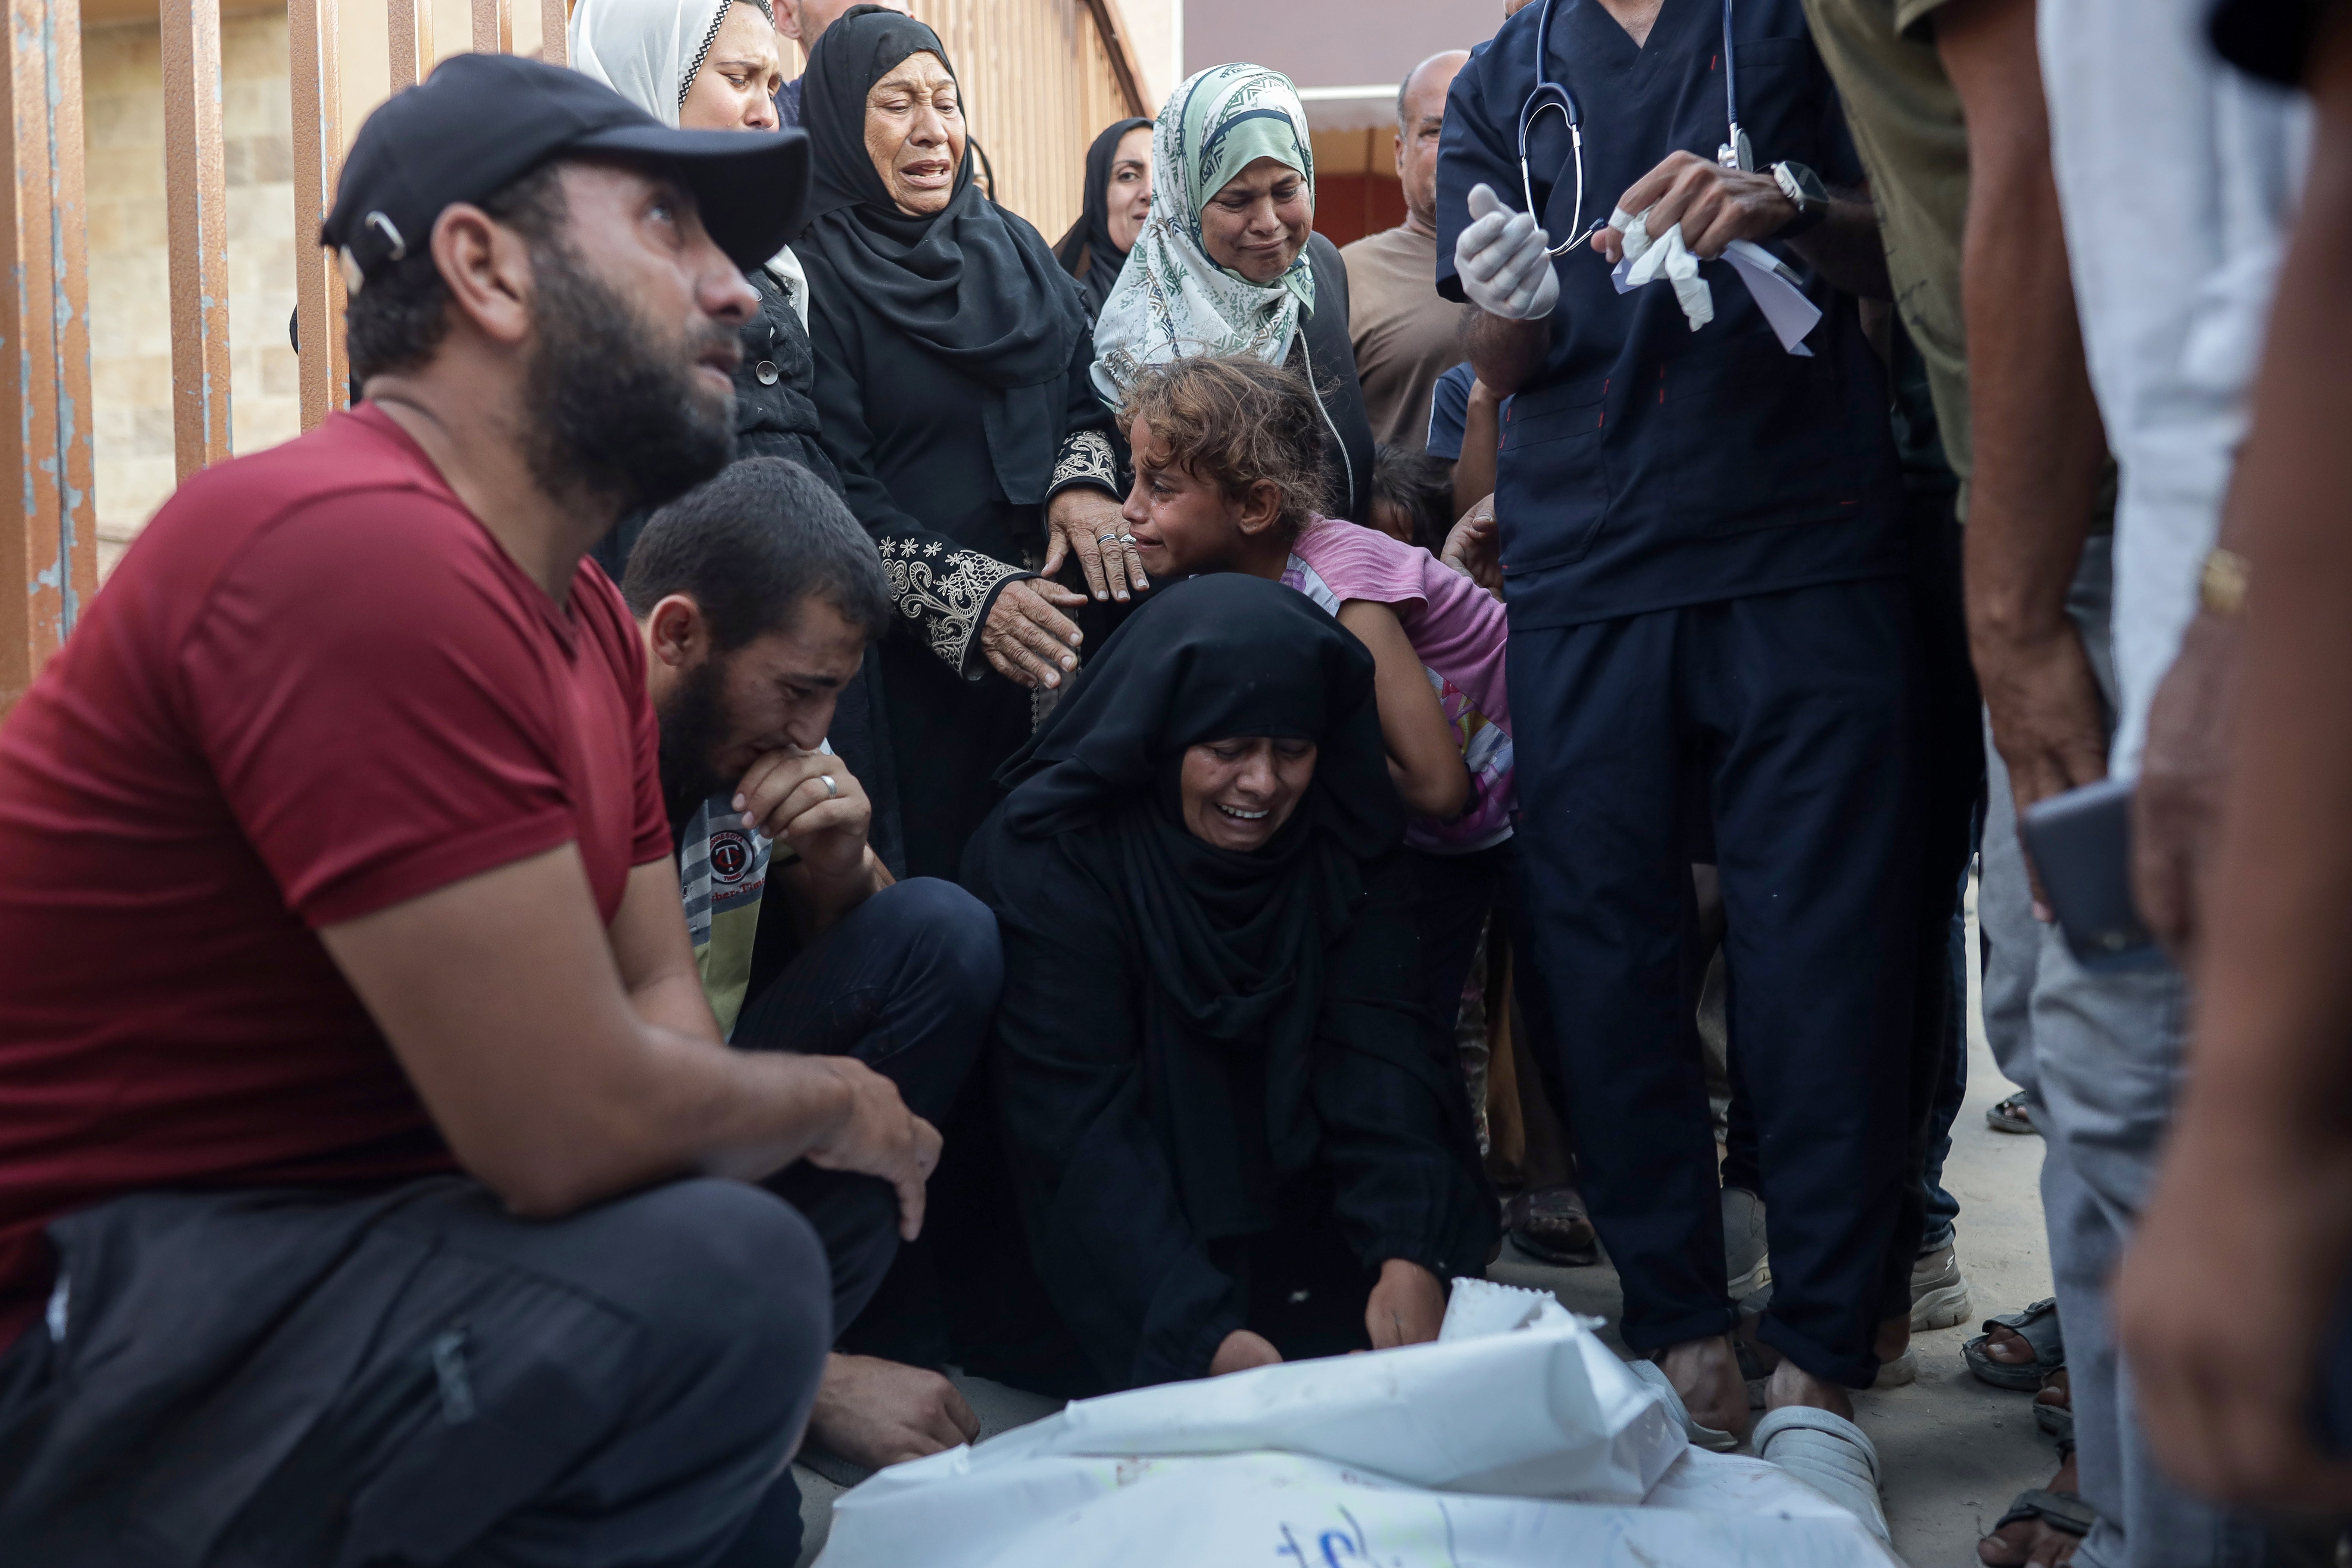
{"x": 130, "y": 291}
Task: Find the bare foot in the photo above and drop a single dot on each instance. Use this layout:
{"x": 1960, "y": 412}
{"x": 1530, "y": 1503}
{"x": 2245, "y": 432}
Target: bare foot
{"x": 1894, "y": 1337}
{"x": 2007, "y": 1346}
{"x": 874, "y": 1413}
{"x": 2032, "y": 1540}
{"x": 1792, "y": 1385}
{"x": 1241, "y": 1350}
{"x": 1705, "y": 1374}
{"x": 2056, "y": 1391}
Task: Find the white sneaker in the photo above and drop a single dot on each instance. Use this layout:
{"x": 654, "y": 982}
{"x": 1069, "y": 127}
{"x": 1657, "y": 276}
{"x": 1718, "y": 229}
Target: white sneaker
{"x": 1939, "y": 1291}
{"x": 1746, "y": 1260}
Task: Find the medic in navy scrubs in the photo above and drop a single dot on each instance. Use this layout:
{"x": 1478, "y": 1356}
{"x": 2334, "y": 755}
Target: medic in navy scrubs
{"x": 1704, "y": 563}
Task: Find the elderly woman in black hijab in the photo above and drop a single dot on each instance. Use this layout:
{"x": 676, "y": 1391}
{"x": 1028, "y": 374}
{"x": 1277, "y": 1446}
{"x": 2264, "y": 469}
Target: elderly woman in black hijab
{"x": 1118, "y": 198}
{"x": 951, "y": 393}
{"x": 1236, "y": 1132}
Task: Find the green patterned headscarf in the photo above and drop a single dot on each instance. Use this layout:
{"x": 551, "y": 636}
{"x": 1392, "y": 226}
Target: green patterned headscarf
{"x": 1172, "y": 300}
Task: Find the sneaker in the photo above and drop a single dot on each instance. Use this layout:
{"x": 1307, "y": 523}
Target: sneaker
{"x": 1900, "y": 1372}
{"x": 1746, "y": 1264}
{"x": 1939, "y": 1291}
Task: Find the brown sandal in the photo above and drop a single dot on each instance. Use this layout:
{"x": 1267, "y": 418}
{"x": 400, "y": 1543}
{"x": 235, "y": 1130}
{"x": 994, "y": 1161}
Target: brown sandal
{"x": 1550, "y": 1225}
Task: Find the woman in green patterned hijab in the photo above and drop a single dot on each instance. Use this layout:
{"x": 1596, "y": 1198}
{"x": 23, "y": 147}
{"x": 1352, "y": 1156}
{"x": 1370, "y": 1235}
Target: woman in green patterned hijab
{"x": 1228, "y": 262}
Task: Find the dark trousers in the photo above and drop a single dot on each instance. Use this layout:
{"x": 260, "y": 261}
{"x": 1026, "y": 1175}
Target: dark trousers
{"x": 1951, "y": 750}
{"x": 306, "y": 1377}
{"x": 906, "y": 984}
{"x": 1951, "y": 792}
{"x": 1793, "y": 712}
{"x": 1452, "y": 896}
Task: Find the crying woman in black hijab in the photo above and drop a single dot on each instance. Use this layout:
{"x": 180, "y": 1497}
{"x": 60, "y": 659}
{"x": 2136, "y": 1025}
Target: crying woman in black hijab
{"x": 1235, "y": 1134}
{"x": 952, "y": 394}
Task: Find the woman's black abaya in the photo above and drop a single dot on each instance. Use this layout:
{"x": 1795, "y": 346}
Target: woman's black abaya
{"x": 1199, "y": 1049}
{"x": 951, "y": 394}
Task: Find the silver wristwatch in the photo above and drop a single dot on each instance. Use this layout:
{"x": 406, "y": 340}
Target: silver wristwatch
{"x": 1806, "y": 193}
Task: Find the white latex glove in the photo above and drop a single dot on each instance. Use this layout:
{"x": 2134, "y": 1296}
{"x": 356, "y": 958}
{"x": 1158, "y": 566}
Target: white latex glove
{"x": 1501, "y": 262}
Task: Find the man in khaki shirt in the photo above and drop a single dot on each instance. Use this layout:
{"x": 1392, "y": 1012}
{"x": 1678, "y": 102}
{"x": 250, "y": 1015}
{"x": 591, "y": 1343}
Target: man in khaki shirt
{"x": 1406, "y": 336}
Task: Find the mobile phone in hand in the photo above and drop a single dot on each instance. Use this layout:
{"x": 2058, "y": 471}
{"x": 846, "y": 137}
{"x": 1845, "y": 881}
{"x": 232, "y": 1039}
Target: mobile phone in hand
{"x": 2080, "y": 845}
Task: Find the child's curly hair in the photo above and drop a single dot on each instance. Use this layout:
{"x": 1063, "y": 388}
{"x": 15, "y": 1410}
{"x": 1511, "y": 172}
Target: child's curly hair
{"x": 1235, "y": 422}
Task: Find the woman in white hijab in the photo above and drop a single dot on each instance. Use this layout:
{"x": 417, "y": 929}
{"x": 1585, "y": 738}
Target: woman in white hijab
{"x": 714, "y": 65}
{"x": 1228, "y": 261}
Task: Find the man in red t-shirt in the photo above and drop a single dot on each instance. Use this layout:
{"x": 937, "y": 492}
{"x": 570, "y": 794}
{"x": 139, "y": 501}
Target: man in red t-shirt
{"x": 357, "y": 1066}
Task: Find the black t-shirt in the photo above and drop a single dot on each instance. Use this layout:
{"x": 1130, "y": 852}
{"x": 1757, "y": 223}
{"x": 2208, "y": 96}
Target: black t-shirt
{"x": 1648, "y": 465}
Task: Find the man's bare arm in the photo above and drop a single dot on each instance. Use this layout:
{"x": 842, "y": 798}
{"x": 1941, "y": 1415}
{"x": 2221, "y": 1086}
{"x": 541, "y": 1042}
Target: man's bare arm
{"x": 1506, "y": 354}
{"x": 1718, "y": 206}
{"x": 503, "y": 1000}
{"x": 2225, "y": 1298}
{"x": 2177, "y": 804}
{"x": 1715, "y": 205}
{"x": 2038, "y": 444}
{"x": 1482, "y": 434}
{"x": 1846, "y": 248}
{"x": 656, "y": 957}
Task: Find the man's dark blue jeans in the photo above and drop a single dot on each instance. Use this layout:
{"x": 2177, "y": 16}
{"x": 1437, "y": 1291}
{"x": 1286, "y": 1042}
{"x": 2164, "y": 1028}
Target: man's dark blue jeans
{"x": 906, "y": 982}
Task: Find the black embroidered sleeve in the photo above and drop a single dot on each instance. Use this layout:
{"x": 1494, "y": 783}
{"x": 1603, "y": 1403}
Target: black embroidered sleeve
{"x": 949, "y": 591}
{"x": 1086, "y": 459}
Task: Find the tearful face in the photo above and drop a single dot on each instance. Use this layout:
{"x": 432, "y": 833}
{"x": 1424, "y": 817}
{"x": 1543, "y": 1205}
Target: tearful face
{"x": 1238, "y": 792}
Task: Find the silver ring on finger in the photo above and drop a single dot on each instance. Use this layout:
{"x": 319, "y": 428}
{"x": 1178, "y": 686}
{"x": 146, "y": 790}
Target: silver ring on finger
{"x": 1127, "y": 539}
{"x": 1108, "y": 537}
{"x": 831, "y": 790}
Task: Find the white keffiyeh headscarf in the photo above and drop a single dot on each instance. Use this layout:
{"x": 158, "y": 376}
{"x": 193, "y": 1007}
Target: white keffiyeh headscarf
{"x": 1172, "y": 300}
{"x": 650, "y": 51}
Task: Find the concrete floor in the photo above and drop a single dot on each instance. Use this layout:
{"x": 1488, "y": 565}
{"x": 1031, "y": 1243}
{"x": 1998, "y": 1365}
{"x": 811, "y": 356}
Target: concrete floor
{"x": 1953, "y": 1450}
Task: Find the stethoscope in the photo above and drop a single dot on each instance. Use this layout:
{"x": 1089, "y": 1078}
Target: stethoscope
{"x": 1734, "y": 153}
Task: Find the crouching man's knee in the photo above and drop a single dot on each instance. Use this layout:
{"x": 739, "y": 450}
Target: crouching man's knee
{"x": 741, "y": 1311}
{"x": 729, "y": 1307}
{"x": 957, "y": 942}
{"x": 731, "y": 1304}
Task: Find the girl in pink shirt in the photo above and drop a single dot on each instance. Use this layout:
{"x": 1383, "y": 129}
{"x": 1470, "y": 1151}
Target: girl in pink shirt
{"x": 1227, "y": 479}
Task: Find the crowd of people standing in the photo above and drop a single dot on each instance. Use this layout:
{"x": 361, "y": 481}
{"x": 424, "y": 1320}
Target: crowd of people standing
{"x": 812, "y": 788}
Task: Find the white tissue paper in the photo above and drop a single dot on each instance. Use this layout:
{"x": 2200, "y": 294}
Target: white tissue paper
{"x": 1649, "y": 258}
{"x": 1769, "y": 279}
{"x": 1517, "y": 1440}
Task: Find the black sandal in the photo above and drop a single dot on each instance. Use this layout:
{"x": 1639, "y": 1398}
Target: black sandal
{"x": 2037, "y": 1325}
{"x": 2014, "y": 1114}
{"x": 2055, "y": 1420}
{"x": 2063, "y": 1511}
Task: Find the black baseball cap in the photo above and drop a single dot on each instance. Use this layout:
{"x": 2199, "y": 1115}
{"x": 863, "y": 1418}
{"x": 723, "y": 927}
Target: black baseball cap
{"x": 480, "y": 122}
